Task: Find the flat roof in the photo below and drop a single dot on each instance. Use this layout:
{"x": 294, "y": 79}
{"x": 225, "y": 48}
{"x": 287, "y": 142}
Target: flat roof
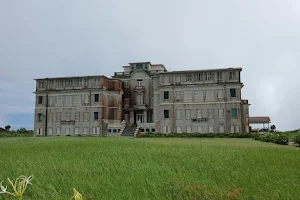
{"x": 66, "y": 77}
{"x": 259, "y": 120}
{"x": 203, "y": 70}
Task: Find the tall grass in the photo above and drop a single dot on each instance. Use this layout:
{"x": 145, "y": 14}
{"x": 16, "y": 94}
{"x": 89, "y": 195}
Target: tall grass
{"x": 152, "y": 168}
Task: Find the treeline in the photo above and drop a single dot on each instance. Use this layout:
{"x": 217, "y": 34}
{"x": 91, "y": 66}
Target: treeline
{"x": 22, "y": 132}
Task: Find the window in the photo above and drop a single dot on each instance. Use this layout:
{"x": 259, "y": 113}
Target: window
{"x": 237, "y": 129}
{"x": 233, "y": 93}
{"x": 96, "y": 117}
{"x": 57, "y": 131}
{"x": 40, "y": 100}
{"x": 247, "y": 113}
{"x": 177, "y": 78}
{"x": 68, "y": 116}
{"x": 231, "y": 75}
{"x": 231, "y": 129}
{"x": 97, "y": 81}
{"x": 41, "y": 84}
{"x": 199, "y": 129}
{"x": 219, "y": 76}
{"x": 68, "y": 131}
{"x": 77, "y": 82}
{"x": 77, "y": 116}
{"x": 153, "y": 130}
{"x": 50, "y": 117}
{"x": 60, "y": 83}
{"x": 222, "y": 129}
{"x": 76, "y": 130}
{"x": 69, "y": 83}
{"x": 210, "y": 129}
{"x": 188, "y": 129}
{"x": 166, "y": 79}
{"x": 199, "y": 95}
{"x": 221, "y": 113}
{"x": 50, "y": 131}
{"x": 139, "y": 83}
{"x": 86, "y": 116}
{"x": 58, "y": 117}
{"x": 126, "y": 83}
{"x": 96, "y": 97}
{"x": 199, "y": 77}
{"x": 210, "y": 112}
{"x": 39, "y": 117}
{"x": 85, "y": 130}
{"x": 188, "y": 95}
{"x": 210, "y": 95}
{"x": 96, "y": 130}
{"x": 178, "y": 129}
{"x": 234, "y": 113}
{"x": 86, "y": 82}
{"x": 166, "y": 95}
{"x": 166, "y": 114}
{"x": 178, "y": 114}
{"x": 220, "y": 94}
{"x": 127, "y": 101}
{"x": 209, "y": 76}
{"x": 139, "y": 66}
{"x": 178, "y": 96}
{"x": 188, "y": 77}
{"x": 188, "y": 113}
{"x": 139, "y": 99}
{"x": 199, "y": 113}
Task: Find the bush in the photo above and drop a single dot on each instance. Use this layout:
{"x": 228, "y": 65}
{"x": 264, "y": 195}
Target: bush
{"x": 277, "y": 138}
{"x": 297, "y": 140}
{"x": 198, "y": 135}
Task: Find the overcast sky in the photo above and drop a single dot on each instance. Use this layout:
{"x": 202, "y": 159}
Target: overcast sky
{"x": 68, "y": 38}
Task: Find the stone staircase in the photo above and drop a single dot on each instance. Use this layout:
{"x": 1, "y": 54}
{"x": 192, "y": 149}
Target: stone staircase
{"x": 129, "y": 131}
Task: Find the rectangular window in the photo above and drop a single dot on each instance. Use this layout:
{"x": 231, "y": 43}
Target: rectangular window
{"x": 219, "y": 76}
{"x": 77, "y": 116}
{"x": 178, "y": 129}
{"x": 96, "y": 117}
{"x": 58, "y": 117}
{"x": 76, "y": 131}
{"x": 126, "y": 83}
{"x": 97, "y": 81}
{"x": 189, "y": 129}
{"x": 209, "y": 76}
{"x": 234, "y": 113}
{"x": 210, "y": 129}
{"x": 199, "y": 113}
{"x": 231, "y": 129}
{"x": 210, "y": 112}
{"x": 85, "y": 130}
{"x": 210, "y": 95}
{"x": 96, "y": 98}
{"x": 57, "y": 131}
{"x": 220, "y": 94}
{"x": 178, "y": 96}
{"x": 86, "y": 116}
{"x": 237, "y": 129}
{"x": 60, "y": 83}
{"x": 166, "y": 79}
{"x": 139, "y": 99}
{"x": 50, "y": 117}
{"x": 68, "y": 82}
{"x": 127, "y": 101}
{"x": 166, "y": 95}
{"x": 68, "y": 116}
{"x": 188, "y": 77}
{"x": 199, "y": 77}
{"x": 188, "y": 95}
{"x": 178, "y": 114}
{"x": 222, "y": 129}
{"x": 68, "y": 131}
{"x": 166, "y": 114}
{"x": 188, "y": 114}
{"x": 39, "y": 117}
{"x": 98, "y": 130}
{"x": 177, "y": 78}
{"x": 221, "y": 113}
{"x": 199, "y": 95}
{"x": 233, "y": 93}
{"x": 94, "y": 130}
{"x": 40, "y": 100}
{"x": 231, "y": 75}
{"x": 139, "y": 83}
{"x": 50, "y": 131}
{"x": 199, "y": 129}
{"x": 41, "y": 84}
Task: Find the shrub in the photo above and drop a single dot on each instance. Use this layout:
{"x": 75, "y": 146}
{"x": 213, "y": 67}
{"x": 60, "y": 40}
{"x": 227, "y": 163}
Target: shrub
{"x": 197, "y": 135}
{"x": 297, "y": 140}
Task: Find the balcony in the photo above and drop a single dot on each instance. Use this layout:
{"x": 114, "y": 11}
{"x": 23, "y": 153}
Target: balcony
{"x": 139, "y": 88}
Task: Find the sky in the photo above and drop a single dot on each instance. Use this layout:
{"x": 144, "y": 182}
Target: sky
{"x": 75, "y": 38}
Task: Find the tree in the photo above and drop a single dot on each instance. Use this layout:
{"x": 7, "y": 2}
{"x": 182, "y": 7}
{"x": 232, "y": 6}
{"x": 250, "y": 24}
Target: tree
{"x": 22, "y": 129}
{"x": 273, "y": 127}
{"x": 7, "y": 127}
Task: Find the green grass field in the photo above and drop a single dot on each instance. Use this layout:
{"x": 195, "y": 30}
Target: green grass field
{"x": 152, "y": 168}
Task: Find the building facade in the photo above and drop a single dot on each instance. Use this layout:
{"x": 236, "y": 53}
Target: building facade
{"x": 143, "y": 97}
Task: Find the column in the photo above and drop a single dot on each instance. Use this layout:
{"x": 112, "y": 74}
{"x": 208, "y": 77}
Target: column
{"x": 145, "y": 116}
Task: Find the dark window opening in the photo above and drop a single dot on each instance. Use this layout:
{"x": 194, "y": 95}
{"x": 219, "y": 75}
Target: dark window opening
{"x": 233, "y": 92}
{"x": 40, "y": 100}
{"x": 96, "y": 117}
{"x": 142, "y": 130}
{"x": 234, "y": 112}
{"x": 109, "y": 130}
{"x": 39, "y": 117}
{"x": 114, "y": 130}
{"x": 153, "y": 130}
{"x": 96, "y": 97}
{"x": 166, "y": 114}
{"x": 147, "y": 129}
{"x": 166, "y": 94}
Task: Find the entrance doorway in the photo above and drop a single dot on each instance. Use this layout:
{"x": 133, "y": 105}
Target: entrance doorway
{"x": 139, "y": 118}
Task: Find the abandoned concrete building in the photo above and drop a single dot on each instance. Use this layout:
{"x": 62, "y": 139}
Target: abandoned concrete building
{"x": 143, "y": 97}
